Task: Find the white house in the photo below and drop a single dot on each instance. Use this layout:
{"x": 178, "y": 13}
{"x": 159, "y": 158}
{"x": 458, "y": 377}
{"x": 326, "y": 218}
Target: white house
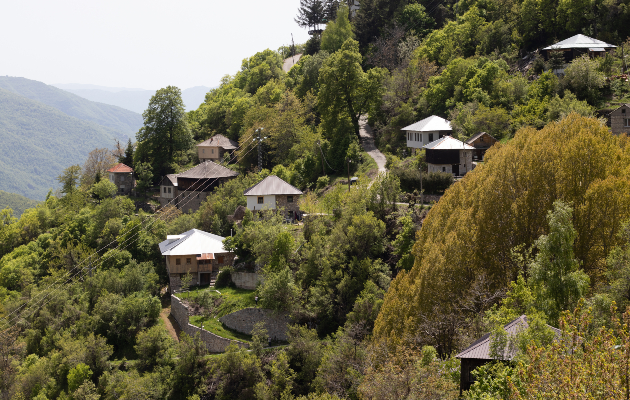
{"x": 426, "y": 131}
{"x": 449, "y": 155}
{"x": 271, "y": 193}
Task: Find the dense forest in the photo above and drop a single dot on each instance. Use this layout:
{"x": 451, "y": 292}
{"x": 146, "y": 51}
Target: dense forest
{"x": 383, "y": 290}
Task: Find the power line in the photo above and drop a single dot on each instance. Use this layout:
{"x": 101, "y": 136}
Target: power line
{"x": 153, "y": 220}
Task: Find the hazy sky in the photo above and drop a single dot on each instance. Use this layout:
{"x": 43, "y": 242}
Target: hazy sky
{"x": 139, "y": 43}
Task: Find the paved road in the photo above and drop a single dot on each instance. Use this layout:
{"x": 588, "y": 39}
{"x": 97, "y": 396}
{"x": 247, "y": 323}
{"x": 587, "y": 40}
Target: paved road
{"x": 367, "y": 142}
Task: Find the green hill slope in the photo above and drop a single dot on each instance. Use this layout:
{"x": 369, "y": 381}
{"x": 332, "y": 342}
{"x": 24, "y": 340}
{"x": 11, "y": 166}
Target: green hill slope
{"x": 37, "y": 142}
{"x": 16, "y": 202}
{"x": 123, "y": 122}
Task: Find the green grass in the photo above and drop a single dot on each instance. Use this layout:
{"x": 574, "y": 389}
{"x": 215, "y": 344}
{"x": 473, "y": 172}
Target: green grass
{"x": 232, "y": 299}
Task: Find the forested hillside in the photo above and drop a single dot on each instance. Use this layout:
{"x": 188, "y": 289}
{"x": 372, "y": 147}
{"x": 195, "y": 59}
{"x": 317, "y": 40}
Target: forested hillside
{"x": 15, "y": 202}
{"x": 123, "y": 123}
{"x": 384, "y": 285}
{"x": 38, "y": 142}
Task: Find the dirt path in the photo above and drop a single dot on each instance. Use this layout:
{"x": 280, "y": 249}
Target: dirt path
{"x": 172, "y": 327}
{"x": 367, "y": 142}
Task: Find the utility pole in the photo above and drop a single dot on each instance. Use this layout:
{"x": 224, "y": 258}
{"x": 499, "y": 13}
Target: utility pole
{"x": 349, "y": 174}
{"x": 322, "y": 154}
{"x": 260, "y": 139}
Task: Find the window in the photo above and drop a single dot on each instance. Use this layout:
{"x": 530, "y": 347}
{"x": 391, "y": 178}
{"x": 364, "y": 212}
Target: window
{"x": 289, "y": 199}
{"x": 626, "y": 122}
{"x": 212, "y": 151}
{"x": 430, "y": 137}
{"x": 164, "y": 189}
{"x": 188, "y": 261}
{"x": 203, "y": 151}
{"x": 261, "y": 200}
{"x": 443, "y": 169}
{"x": 623, "y": 110}
{"x": 169, "y": 190}
{"x": 220, "y": 259}
{"x": 409, "y": 136}
{"x": 178, "y": 261}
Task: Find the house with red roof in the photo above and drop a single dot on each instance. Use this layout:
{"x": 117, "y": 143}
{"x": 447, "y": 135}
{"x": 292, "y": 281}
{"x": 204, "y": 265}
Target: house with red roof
{"x": 121, "y": 175}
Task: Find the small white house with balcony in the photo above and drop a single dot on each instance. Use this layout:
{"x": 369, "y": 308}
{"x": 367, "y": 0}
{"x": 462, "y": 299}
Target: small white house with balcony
{"x": 272, "y": 193}
{"x": 426, "y": 131}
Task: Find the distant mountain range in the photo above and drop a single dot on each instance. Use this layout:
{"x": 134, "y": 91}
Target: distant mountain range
{"x": 16, "y": 202}
{"x": 135, "y": 100}
{"x": 44, "y": 130}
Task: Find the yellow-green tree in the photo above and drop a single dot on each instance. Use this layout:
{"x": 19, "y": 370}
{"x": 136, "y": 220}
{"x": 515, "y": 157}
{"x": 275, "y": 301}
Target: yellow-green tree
{"x": 468, "y": 236}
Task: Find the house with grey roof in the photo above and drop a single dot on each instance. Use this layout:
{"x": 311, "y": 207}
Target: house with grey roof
{"x": 480, "y": 352}
{"x": 197, "y": 253}
{"x": 426, "y": 131}
{"x": 619, "y": 119}
{"x": 575, "y": 47}
{"x": 481, "y": 142}
{"x": 449, "y": 155}
{"x": 215, "y": 148}
{"x": 273, "y": 193}
{"x": 189, "y": 189}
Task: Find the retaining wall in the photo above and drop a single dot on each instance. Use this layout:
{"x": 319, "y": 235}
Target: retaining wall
{"x": 246, "y": 280}
{"x": 243, "y": 321}
{"x": 214, "y": 343}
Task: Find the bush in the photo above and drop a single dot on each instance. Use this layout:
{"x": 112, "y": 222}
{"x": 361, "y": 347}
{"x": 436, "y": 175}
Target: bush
{"x": 322, "y": 182}
{"x": 225, "y": 278}
{"x": 434, "y": 182}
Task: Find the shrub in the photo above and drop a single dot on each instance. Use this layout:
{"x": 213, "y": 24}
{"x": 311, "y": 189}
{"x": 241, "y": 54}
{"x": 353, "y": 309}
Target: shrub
{"x": 322, "y": 182}
{"x": 225, "y": 278}
{"x": 434, "y": 182}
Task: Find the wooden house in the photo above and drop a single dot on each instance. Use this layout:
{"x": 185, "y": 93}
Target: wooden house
{"x": 188, "y": 190}
{"x": 121, "y": 175}
{"x": 479, "y": 353}
{"x": 272, "y": 193}
{"x": 449, "y": 155}
{"x": 426, "y": 131}
{"x": 195, "y": 252}
{"x": 214, "y": 148}
{"x": 481, "y": 142}
{"x": 619, "y": 119}
{"x": 575, "y": 47}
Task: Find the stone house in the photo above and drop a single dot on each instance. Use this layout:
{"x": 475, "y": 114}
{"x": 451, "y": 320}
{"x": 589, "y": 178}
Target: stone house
{"x": 479, "y": 353}
{"x": 198, "y": 253}
{"x": 481, "y": 142}
{"x": 188, "y": 190}
{"x": 272, "y": 193}
{"x": 449, "y": 155}
{"x": 214, "y": 148}
{"x": 121, "y": 175}
{"x": 426, "y": 131}
{"x": 619, "y": 120}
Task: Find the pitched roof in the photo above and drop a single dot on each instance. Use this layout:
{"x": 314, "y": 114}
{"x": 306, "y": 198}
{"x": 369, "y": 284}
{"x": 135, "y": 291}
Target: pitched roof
{"x": 622, "y": 105}
{"x": 170, "y": 178}
{"x": 208, "y": 170}
{"x": 580, "y": 42}
{"x": 429, "y": 124}
{"x": 220, "y": 141}
{"x": 448, "y": 143}
{"x": 272, "y": 185}
{"x": 120, "y": 167}
{"x": 477, "y": 136}
{"x": 480, "y": 349}
{"x": 193, "y": 241}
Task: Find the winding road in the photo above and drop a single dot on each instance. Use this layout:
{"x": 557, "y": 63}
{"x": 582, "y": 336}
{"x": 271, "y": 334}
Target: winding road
{"x": 367, "y": 142}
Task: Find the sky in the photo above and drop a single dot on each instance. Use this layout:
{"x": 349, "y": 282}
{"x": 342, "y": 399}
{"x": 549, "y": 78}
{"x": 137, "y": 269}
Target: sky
{"x": 138, "y": 43}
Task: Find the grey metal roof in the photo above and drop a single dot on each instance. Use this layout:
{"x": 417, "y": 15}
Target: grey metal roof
{"x": 272, "y": 185}
{"x": 580, "y": 42}
{"x": 448, "y": 143}
{"x": 220, "y": 141}
{"x": 429, "y": 124}
{"x": 193, "y": 241}
{"x": 477, "y": 136}
{"x": 480, "y": 349}
{"x": 169, "y": 179}
{"x": 208, "y": 170}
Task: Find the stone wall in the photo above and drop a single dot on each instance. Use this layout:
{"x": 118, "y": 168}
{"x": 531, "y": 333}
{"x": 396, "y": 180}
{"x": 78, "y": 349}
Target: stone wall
{"x": 214, "y": 343}
{"x": 246, "y": 280}
{"x": 243, "y": 321}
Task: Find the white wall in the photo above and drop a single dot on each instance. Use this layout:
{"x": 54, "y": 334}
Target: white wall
{"x": 269, "y": 203}
{"x": 166, "y": 195}
{"x": 423, "y": 138}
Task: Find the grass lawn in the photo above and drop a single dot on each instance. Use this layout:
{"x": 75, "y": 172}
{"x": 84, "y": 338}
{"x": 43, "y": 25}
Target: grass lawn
{"x": 231, "y": 300}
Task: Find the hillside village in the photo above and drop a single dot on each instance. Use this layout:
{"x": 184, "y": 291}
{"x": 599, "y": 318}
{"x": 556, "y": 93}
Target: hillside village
{"x": 423, "y": 201}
